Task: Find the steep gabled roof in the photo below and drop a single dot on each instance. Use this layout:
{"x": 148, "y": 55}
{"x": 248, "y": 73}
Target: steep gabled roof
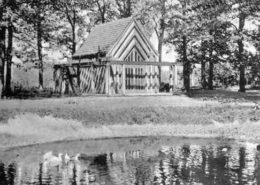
{"x": 103, "y": 37}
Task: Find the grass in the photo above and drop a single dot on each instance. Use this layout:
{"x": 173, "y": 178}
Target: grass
{"x": 226, "y": 96}
{"x": 207, "y": 114}
{"x": 96, "y": 111}
{"x": 30, "y": 128}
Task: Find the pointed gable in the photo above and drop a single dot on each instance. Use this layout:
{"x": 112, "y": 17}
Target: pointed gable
{"x": 116, "y": 40}
{"x": 134, "y": 40}
{"x": 102, "y": 37}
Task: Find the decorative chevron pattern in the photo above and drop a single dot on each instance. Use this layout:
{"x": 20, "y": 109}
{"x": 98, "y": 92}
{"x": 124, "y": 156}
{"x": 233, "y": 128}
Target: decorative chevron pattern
{"x": 116, "y": 78}
{"x": 132, "y": 46}
{"x": 92, "y": 79}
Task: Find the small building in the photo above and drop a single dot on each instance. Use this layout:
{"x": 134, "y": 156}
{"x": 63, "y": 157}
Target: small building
{"x": 116, "y": 58}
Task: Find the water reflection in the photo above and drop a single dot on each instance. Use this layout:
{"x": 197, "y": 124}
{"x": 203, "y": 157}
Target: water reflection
{"x": 176, "y": 164}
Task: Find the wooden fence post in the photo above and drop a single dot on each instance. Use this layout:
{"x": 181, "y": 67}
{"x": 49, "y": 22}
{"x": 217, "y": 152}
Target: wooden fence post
{"x": 151, "y": 79}
{"x": 123, "y": 79}
{"x": 117, "y": 88}
{"x": 171, "y": 78}
{"x": 108, "y": 79}
{"x": 146, "y": 78}
{"x": 78, "y": 75}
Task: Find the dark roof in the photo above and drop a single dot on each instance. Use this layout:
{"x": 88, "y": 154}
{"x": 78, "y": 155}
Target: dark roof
{"x": 102, "y": 37}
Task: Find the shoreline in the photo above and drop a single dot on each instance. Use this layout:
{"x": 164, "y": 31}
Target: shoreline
{"x": 24, "y": 122}
{"x": 32, "y": 129}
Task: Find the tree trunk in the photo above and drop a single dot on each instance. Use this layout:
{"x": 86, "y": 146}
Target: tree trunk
{"x": 161, "y": 39}
{"x": 128, "y": 8}
{"x": 8, "y": 90}
{"x": 211, "y": 71}
{"x": 203, "y": 74}
{"x": 211, "y": 64}
{"x": 211, "y": 74}
{"x": 242, "y": 80}
{"x": 186, "y": 63}
{"x": 2, "y": 54}
{"x": 186, "y": 66}
{"x": 103, "y": 14}
{"x": 73, "y": 33}
{"x": 39, "y": 48}
{"x": 203, "y": 67}
{"x": 160, "y": 44}
{"x": 73, "y": 41}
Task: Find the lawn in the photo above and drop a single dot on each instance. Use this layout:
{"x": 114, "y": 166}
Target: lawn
{"x": 218, "y": 113}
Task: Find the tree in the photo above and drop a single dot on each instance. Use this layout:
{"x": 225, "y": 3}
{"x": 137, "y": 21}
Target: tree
{"x": 242, "y": 12}
{"x": 125, "y": 7}
{"x": 70, "y": 11}
{"x": 39, "y": 14}
{"x": 182, "y": 33}
{"x": 8, "y": 16}
{"x": 2, "y": 45}
{"x": 102, "y": 11}
{"x": 156, "y": 15}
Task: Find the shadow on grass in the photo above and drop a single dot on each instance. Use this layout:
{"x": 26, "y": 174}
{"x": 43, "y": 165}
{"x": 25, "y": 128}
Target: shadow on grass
{"x": 225, "y": 94}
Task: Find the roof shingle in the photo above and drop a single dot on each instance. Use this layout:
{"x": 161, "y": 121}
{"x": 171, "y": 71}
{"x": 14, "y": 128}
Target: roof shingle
{"x": 103, "y": 37}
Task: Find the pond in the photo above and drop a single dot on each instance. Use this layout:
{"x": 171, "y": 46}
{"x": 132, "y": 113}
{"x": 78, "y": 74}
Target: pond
{"x": 138, "y": 161}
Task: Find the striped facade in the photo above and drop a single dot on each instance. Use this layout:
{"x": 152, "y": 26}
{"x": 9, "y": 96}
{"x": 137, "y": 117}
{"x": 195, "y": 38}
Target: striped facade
{"x": 117, "y": 58}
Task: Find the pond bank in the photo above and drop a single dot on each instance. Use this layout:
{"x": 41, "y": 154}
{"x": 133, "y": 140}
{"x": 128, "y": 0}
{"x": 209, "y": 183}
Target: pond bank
{"x": 26, "y": 129}
{"x": 25, "y": 122}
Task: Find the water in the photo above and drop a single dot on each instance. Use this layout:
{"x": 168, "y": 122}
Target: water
{"x": 137, "y": 161}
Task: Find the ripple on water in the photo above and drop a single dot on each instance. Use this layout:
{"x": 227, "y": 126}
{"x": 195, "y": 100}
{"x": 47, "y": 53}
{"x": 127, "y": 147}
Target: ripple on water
{"x": 160, "y": 162}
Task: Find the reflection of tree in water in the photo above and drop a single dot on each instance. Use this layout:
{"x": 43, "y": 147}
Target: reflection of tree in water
{"x": 143, "y": 173}
{"x": 3, "y": 178}
{"x": 40, "y": 174}
{"x": 130, "y": 168}
{"x": 7, "y": 175}
{"x": 185, "y": 169}
{"x": 257, "y": 167}
{"x": 241, "y": 165}
{"x": 207, "y": 165}
{"x": 99, "y": 167}
{"x": 188, "y": 164}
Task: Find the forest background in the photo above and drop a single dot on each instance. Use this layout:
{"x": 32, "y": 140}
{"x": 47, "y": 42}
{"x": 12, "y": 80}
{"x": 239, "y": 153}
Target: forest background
{"x": 223, "y": 36}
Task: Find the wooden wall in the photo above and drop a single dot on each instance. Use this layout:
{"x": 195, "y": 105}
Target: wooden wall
{"x": 92, "y": 79}
{"x": 113, "y": 78}
{"x": 89, "y": 79}
{"x": 131, "y": 79}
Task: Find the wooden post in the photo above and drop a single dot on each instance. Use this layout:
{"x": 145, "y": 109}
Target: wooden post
{"x": 151, "y": 79}
{"x": 135, "y": 79}
{"x": 117, "y": 79}
{"x": 146, "y": 78}
{"x": 156, "y": 79}
{"x": 175, "y": 77}
{"x": 78, "y": 74}
{"x": 171, "y": 78}
{"x": 92, "y": 79}
{"x": 123, "y": 79}
{"x": 107, "y": 79}
{"x": 131, "y": 78}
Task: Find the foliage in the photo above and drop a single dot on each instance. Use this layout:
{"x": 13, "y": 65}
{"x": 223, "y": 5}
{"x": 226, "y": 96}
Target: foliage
{"x": 218, "y": 34}
{"x": 73, "y": 24}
